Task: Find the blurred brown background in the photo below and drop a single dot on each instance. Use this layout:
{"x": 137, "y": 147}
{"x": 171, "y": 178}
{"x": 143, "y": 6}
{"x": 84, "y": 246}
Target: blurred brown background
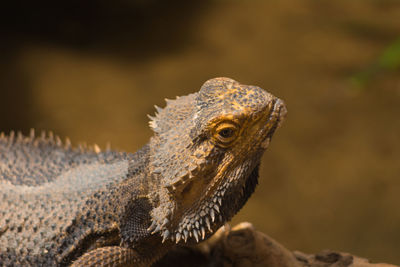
{"x": 92, "y": 70}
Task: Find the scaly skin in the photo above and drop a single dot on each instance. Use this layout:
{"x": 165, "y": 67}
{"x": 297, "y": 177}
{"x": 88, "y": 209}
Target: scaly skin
{"x": 62, "y": 206}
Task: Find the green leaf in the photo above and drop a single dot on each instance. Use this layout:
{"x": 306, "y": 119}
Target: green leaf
{"x": 390, "y": 58}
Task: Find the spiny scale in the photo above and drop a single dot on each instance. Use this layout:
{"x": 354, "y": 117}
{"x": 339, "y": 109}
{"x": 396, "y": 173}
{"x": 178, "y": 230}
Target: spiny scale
{"x": 178, "y": 237}
{"x": 196, "y": 236}
{"x": 165, "y": 236}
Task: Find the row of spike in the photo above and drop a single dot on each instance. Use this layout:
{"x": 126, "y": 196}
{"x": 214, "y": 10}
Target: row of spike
{"x": 193, "y": 225}
{"x": 159, "y": 110}
{"x": 196, "y": 225}
{"x": 194, "y": 228}
{"x": 50, "y": 138}
{"x": 183, "y": 174}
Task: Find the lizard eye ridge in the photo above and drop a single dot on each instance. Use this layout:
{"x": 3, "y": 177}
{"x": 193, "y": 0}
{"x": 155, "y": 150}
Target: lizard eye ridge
{"x": 226, "y": 133}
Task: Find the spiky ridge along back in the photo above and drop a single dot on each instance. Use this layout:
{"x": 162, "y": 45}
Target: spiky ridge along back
{"x": 44, "y": 184}
{"x": 32, "y": 161}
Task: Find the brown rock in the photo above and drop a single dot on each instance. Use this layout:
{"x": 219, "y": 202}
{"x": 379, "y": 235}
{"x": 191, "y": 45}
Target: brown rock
{"x": 243, "y": 246}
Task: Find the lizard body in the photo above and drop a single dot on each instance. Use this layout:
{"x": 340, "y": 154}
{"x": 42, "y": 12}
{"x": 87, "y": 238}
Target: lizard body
{"x": 62, "y": 206}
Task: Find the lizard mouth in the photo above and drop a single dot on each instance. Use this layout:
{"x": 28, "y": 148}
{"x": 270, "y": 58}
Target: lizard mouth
{"x": 276, "y": 117}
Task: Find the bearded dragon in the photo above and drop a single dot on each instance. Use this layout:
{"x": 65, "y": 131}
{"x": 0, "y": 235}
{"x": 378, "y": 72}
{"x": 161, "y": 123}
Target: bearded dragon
{"x": 79, "y": 206}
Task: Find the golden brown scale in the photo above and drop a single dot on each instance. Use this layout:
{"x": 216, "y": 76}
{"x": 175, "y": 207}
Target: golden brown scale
{"x": 61, "y": 206}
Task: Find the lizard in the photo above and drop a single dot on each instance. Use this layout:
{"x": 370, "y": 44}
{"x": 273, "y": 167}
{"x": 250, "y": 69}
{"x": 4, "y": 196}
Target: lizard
{"x": 79, "y": 206}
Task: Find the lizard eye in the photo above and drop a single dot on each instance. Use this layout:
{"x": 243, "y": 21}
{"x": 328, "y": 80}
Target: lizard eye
{"x": 226, "y": 133}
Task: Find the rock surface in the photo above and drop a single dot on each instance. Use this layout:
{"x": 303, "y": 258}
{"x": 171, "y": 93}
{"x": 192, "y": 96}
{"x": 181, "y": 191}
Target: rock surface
{"x": 243, "y": 246}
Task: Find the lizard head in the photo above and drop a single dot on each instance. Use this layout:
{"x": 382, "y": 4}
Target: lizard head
{"x": 206, "y": 151}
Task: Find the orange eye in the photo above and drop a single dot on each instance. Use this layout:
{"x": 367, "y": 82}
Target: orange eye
{"x": 226, "y": 133}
